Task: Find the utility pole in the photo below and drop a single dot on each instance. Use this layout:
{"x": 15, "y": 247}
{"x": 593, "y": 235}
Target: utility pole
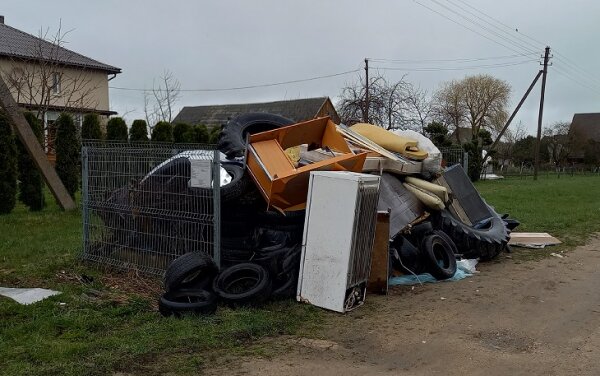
{"x": 540, "y": 115}
{"x": 366, "y": 112}
{"x": 510, "y": 119}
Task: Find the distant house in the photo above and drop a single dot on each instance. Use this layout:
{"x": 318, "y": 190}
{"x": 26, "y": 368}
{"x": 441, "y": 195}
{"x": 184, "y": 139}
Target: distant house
{"x": 297, "y": 110}
{"x": 48, "y": 79}
{"x": 584, "y": 127}
{"x": 461, "y": 135}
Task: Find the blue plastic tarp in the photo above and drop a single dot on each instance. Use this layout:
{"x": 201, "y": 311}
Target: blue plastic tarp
{"x": 464, "y": 269}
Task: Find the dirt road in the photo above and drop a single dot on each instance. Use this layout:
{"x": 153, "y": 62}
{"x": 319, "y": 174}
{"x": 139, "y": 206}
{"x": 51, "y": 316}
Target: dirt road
{"x": 531, "y": 318}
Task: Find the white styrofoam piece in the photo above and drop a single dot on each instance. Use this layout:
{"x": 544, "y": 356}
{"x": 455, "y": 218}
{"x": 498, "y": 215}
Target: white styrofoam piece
{"x": 27, "y": 295}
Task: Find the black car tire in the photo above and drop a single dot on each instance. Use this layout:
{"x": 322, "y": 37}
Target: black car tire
{"x": 448, "y": 239}
{"x": 483, "y": 243}
{"x": 439, "y": 258}
{"x": 187, "y": 301}
{"x": 193, "y": 270}
{"x": 243, "y": 285}
{"x": 240, "y": 181}
{"x": 232, "y": 141}
{"x": 288, "y": 288}
{"x": 405, "y": 256}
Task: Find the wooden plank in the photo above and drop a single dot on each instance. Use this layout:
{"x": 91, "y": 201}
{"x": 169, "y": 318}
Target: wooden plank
{"x": 34, "y": 148}
{"x": 455, "y": 207}
{"x": 378, "y": 277}
{"x": 366, "y": 143}
{"x": 532, "y": 239}
{"x": 273, "y": 158}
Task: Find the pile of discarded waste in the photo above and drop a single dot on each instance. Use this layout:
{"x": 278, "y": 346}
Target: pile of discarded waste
{"x": 324, "y": 213}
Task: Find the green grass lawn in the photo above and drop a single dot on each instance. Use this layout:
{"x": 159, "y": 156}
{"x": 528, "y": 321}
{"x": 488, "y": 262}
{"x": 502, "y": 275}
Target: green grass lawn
{"x": 566, "y": 207}
{"x": 111, "y": 324}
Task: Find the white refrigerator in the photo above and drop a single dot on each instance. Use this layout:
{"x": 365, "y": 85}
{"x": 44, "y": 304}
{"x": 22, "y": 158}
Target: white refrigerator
{"x": 338, "y": 237}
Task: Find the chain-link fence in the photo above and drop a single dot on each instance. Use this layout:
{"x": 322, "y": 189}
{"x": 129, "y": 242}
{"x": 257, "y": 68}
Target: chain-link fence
{"x": 146, "y": 204}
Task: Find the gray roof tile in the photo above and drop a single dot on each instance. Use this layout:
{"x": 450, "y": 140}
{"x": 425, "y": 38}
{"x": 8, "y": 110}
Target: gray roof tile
{"x": 586, "y": 126}
{"x": 18, "y": 44}
{"x": 296, "y": 110}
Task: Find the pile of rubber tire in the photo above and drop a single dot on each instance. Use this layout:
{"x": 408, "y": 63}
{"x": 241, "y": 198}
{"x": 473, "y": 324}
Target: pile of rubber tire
{"x": 260, "y": 248}
{"x": 424, "y": 250}
{"x": 434, "y": 245}
{"x": 194, "y": 285}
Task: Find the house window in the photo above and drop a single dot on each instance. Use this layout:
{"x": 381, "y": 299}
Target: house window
{"x": 55, "y": 83}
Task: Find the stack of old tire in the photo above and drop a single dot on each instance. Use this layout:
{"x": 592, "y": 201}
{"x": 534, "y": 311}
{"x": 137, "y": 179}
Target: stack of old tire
{"x": 424, "y": 250}
{"x": 434, "y": 245}
{"x": 260, "y": 248}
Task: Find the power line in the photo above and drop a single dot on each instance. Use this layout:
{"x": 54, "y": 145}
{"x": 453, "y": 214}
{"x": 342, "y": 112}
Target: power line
{"x": 458, "y": 60}
{"x": 435, "y": 69}
{"x": 466, "y": 27}
{"x": 512, "y": 29}
{"x": 573, "y": 65}
{"x": 245, "y": 87}
{"x": 567, "y": 75}
{"x": 576, "y": 70}
{"x": 507, "y": 39}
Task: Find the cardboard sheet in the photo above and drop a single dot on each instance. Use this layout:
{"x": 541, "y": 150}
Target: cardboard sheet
{"x": 532, "y": 239}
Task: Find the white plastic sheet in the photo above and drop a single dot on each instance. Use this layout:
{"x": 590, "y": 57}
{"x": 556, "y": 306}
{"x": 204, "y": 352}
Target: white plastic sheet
{"x": 27, "y": 295}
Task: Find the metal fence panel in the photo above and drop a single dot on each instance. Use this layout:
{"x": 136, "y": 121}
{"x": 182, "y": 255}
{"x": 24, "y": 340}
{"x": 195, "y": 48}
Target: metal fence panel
{"x": 454, "y": 155}
{"x": 145, "y": 204}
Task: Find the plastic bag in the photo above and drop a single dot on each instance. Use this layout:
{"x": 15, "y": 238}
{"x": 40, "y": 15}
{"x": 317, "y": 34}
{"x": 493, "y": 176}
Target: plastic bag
{"x": 433, "y": 163}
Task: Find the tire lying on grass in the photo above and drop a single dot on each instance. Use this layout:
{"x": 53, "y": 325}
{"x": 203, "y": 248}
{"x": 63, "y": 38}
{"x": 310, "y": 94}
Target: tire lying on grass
{"x": 245, "y": 284}
{"x": 187, "y": 301}
{"x": 438, "y": 256}
{"x": 484, "y": 243}
{"x": 233, "y": 136}
{"x": 194, "y": 270}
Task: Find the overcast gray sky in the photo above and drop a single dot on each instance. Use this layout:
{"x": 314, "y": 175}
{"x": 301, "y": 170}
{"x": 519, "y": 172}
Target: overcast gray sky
{"x": 232, "y": 43}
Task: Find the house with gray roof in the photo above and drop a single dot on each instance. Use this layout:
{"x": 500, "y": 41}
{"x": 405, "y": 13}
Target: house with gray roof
{"x": 47, "y": 79}
{"x": 584, "y": 128}
{"x": 462, "y": 135}
{"x": 297, "y": 110}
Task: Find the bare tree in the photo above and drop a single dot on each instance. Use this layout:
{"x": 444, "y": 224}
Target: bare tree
{"x": 479, "y": 101}
{"x": 394, "y": 110}
{"x": 486, "y": 99}
{"x": 419, "y": 108}
{"x": 390, "y": 103}
{"x": 353, "y": 104}
{"x": 43, "y": 80}
{"x": 159, "y": 103}
{"x": 506, "y": 147}
{"x": 558, "y": 142}
{"x": 449, "y": 106}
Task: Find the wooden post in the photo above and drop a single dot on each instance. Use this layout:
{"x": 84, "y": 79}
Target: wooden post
{"x": 34, "y": 148}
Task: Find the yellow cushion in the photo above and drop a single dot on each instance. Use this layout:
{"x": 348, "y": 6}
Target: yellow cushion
{"x": 436, "y": 189}
{"x": 427, "y": 198}
{"x": 390, "y": 141}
